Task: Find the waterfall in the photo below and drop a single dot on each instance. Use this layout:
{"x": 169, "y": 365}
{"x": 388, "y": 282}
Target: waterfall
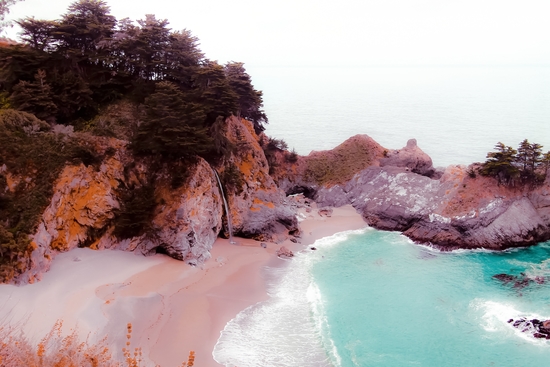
{"x": 227, "y": 213}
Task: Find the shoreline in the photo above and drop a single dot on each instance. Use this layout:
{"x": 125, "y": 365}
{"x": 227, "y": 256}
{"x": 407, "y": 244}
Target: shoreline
{"x": 173, "y": 308}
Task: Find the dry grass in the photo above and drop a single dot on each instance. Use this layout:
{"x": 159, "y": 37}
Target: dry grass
{"x": 340, "y": 164}
{"x": 56, "y": 350}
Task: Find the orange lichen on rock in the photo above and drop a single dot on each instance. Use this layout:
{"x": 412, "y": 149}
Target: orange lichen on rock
{"x": 471, "y": 193}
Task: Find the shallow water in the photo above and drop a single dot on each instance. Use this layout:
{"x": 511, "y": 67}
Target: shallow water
{"x": 372, "y": 298}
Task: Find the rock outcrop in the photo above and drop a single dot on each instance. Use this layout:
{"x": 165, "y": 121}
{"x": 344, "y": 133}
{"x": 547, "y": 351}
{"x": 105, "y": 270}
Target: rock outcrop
{"x": 393, "y": 190}
{"x": 185, "y": 224}
{"x": 84, "y": 201}
{"x": 410, "y": 157}
{"x": 259, "y": 208}
{"x": 401, "y": 191}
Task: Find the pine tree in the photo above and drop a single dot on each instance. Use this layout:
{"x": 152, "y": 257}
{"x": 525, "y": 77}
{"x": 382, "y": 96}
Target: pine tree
{"x": 35, "y": 97}
{"x": 84, "y": 31}
{"x": 38, "y": 34}
{"x": 545, "y": 162}
{"x": 215, "y": 91}
{"x": 528, "y": 160}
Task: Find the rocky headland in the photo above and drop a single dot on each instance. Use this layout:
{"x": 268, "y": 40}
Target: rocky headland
{"x": 397, "y": 190}
{"x": 400, "y": 190}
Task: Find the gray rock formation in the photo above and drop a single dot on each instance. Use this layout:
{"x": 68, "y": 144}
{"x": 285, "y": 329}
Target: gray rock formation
{"x": 456, "y": 211}
{"x": 410, "y": 157}
{"x": 186, "y": 225}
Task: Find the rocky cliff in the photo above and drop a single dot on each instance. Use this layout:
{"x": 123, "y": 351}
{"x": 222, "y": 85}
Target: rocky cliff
{"x": 259, "y": 208}
{"x": 186, "y": 219}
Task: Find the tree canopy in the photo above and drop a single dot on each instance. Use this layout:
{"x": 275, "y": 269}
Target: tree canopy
{"x": 89, "y": 59}
{"x": 527, "y": 164}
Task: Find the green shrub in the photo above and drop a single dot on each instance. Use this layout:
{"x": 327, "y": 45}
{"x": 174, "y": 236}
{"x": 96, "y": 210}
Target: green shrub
{"x": 136, "y": 212}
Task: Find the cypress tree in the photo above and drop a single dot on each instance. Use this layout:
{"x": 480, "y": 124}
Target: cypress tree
{"x": 500, "y": 164}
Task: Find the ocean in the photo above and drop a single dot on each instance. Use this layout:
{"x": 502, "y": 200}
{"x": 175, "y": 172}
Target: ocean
{"x": 457, "y": 114}
{"x": 374, "y": 298}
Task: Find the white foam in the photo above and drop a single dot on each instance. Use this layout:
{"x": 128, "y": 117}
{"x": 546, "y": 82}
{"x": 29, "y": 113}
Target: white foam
{"x": 337, "y": 238}
{"x": 285, "y": 330}
{"x": 496, "y": 316}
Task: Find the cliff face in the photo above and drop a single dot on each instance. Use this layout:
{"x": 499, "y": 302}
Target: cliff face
{"x": 186, "y": 220}
{"x": 259, "y": 208}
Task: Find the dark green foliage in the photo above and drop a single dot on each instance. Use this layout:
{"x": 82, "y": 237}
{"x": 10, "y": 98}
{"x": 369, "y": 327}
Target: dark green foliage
{"x": 276, "y": 144}
{"x": 291, "y": 157}
{"x": 173, "y": 128}
{"x": 82, "y": 33}
{"x": 512, "y": 166}
{"x": 545, "y": 162}
{"x": 500, "y": 164}
{"x": 270, "y": 149}
{"x": 35, "y": 97}
{"x": 223, "y": 147}
{"x": 232, "y": 179}
{"x": 70, "y": 69}
{"x": 249, "y": 100}
{"x": 528, "y": 160}
{"x": 215, "y": 92}
{"x": 136, "y": 212}
{"x": 13, "y": 251}
{"x": 37, "y": 33}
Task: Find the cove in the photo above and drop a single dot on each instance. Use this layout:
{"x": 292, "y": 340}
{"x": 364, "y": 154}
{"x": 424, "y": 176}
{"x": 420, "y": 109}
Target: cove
{"x": 374, "y": 298}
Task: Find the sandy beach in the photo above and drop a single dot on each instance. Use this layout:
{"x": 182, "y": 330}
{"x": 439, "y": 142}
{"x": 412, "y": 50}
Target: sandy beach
{"x": 174, "y": 308}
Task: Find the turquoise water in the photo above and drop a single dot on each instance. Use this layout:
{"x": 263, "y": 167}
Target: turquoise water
{"x": 373, "y": 298}
{"x": 392, "y": 303}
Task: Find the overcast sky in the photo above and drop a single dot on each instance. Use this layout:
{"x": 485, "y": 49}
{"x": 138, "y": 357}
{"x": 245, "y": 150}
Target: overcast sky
{"x": 347, "y": 32}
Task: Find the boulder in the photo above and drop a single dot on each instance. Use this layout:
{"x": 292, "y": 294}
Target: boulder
{"x": 325, "y": 212}
{"x": 410, "y": 157}
{"x": 284, "y": 253}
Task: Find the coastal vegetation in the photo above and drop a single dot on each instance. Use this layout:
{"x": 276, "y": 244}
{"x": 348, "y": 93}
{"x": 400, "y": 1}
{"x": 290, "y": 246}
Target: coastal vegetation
{"x": 89, "y": 76}
{"x": 525, "y": 165}
{"x": 57, "y": 349}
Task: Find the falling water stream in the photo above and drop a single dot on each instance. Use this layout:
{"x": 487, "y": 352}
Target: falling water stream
{"x": 229, "y": 225}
